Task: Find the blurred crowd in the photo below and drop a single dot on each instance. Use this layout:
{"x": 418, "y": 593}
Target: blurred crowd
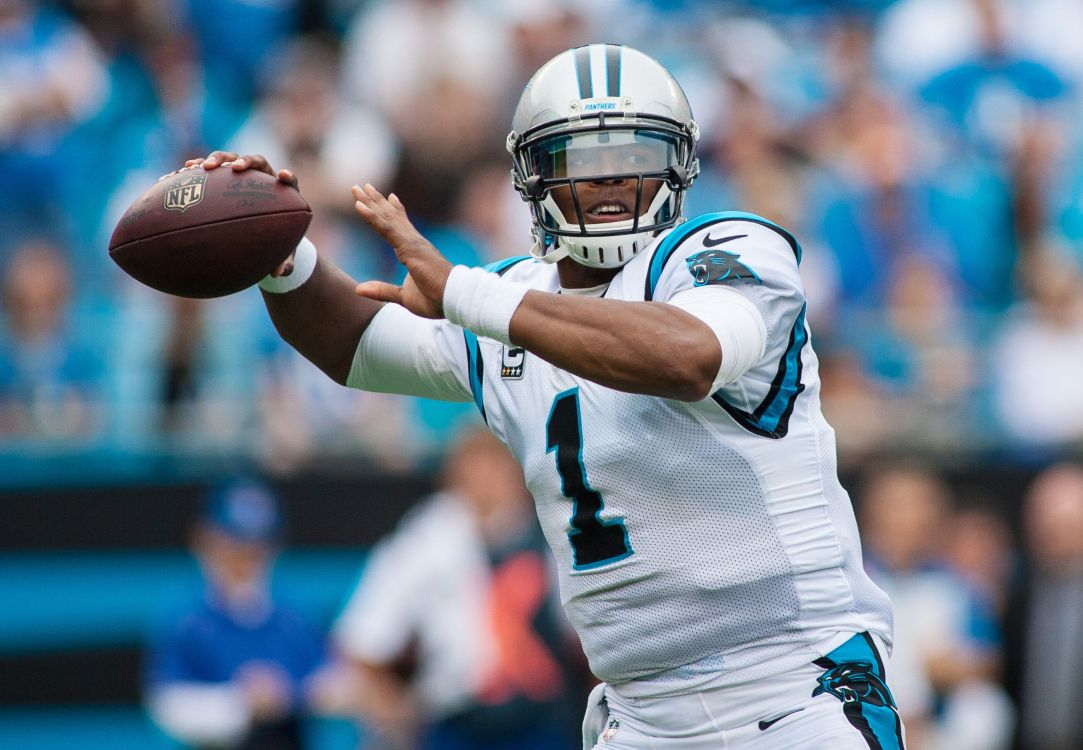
{"x": 453, "y": 637}
{"x": 928, "y": 154}
{"x": 987, "y": 621}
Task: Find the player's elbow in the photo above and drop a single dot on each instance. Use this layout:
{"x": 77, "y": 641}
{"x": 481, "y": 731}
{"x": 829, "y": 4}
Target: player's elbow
{"x": 338, "y": 368}
{"x": 690, "y": 378}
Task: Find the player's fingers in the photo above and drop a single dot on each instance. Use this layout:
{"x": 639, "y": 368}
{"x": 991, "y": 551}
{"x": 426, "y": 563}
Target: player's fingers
{"x": 379, "y": 290}
{"x": 394, "y": 201}
{"x": 253, "y": 161}
{"x": 194, "y": 162}
{"x": 216, "y": 158}
{"x": 381, "y": 222}
{"x": 378, "y": 221}
{"x": 375, "y": 196}
{"x": 365, "y": 210}
{"x": 285, "y": 268}
{"x": 289, "y": 178}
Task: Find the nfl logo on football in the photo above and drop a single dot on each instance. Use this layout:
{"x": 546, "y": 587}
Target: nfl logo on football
{"x": 185, "y": 192}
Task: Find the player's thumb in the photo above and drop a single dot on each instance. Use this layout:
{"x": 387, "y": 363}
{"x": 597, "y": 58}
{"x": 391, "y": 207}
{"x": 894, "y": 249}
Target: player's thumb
{"x": 379, "y": 290}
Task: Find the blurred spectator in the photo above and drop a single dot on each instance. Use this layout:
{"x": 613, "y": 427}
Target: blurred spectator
{"x": 238, "y": 669}
{"x": 877, "y": 201}
{"x": 438, "y": 71}
{"x": 993, "y": 91}
{"x": 539, "y": 32}
{"x": 856, "y": 406}
{"x": 493, "y": 216}
{"x": 920, "y": 38}
{"x": 51, "y": 78}
{"x": 940, "y": 623}
{"x": 301, "y": 123}
{"x": 304, "y": 417}
{"x": 1040, "y": 341}
{"x": 235, "y": 40}
{"x": 979, "y": 549}
{"x": 51, "y": 374}
{"x": 1044, "y": 670}
{"x": 455, "y": 626}
{"x": 918, "y": 352}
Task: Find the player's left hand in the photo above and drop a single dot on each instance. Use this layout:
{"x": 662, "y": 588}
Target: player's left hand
{"x": 422, "y": 293}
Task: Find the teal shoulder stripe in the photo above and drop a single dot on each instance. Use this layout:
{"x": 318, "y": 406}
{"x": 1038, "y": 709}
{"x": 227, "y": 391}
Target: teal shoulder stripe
{"x": 475, "y": 367}
{"x": 500, "y": 267}
{"x": 771, "y": 418}
{"x": 681, "y": 232}
{"x": 669, "y": 245}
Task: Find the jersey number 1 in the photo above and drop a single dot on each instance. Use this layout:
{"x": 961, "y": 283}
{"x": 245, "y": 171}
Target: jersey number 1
{"x": 594, "y": 542}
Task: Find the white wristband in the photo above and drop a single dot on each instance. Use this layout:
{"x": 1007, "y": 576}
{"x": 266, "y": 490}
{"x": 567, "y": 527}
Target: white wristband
{"x": 482, "y": 302}
{"x": 304, "y": 263}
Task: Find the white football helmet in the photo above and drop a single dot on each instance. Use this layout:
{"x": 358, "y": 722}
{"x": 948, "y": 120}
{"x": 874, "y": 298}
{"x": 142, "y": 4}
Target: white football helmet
{"x": 599, "y": 113}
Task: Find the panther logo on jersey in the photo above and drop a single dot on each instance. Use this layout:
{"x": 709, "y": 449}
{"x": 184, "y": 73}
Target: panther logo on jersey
{"x": 855, "y": 682}
{"x": 715, "y": 266}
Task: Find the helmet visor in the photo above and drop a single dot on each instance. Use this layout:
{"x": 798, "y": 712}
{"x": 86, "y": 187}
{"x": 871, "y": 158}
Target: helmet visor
{"x": 603, "y": 153}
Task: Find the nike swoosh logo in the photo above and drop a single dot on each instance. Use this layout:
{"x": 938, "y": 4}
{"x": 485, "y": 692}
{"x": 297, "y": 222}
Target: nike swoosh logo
{"x": 766, "y": 724}
{"x": 710, "y": 241}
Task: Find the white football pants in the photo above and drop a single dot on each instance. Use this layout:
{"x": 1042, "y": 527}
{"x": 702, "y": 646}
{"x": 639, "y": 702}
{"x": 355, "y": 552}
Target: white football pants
{"x": 838, "y": 702}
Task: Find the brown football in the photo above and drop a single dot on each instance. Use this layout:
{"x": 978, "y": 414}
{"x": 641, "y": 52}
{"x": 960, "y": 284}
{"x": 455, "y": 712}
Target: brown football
{"x": 199, "y": 233}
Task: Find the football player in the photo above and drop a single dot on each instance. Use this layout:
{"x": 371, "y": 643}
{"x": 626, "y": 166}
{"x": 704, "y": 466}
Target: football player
{"x": 653, "y": 376}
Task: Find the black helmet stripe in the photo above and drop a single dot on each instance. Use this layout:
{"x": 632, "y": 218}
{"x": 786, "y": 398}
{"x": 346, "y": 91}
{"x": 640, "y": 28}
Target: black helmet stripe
{"x": 612, "y": 70}
{"x": 582, "y": 72}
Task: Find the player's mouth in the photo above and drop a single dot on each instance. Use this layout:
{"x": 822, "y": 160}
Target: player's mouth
{"x": 607, "y": 210}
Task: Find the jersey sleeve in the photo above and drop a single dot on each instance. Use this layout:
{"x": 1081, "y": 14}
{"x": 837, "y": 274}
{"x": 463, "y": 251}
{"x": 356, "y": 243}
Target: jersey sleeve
{"x": 759, "y": 260}
{"x": 743, "y": 252}
{"x": 413, "y": 356}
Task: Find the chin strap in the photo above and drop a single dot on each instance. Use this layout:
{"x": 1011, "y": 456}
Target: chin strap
{"x": 554, "y": 253}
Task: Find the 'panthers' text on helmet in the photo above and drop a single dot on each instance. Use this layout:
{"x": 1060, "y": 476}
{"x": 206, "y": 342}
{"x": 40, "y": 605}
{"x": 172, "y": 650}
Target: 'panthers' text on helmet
{"x": 602, "y": 113}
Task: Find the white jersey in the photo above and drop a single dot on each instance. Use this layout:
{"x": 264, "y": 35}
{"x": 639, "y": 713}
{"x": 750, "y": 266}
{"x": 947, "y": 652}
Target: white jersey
{"x": 698, "y": 544}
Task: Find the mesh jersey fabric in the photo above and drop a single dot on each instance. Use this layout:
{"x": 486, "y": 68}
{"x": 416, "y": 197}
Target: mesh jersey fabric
{"x": 740, "y": 556}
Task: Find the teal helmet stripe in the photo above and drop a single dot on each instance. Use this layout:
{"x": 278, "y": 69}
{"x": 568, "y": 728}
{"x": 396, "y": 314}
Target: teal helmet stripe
{"x": 612, "y": 70}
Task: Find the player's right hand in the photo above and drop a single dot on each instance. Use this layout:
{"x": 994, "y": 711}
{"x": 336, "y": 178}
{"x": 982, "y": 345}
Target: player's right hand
{"x": 240, "y": 163}
{"x": 422, "y": 292}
